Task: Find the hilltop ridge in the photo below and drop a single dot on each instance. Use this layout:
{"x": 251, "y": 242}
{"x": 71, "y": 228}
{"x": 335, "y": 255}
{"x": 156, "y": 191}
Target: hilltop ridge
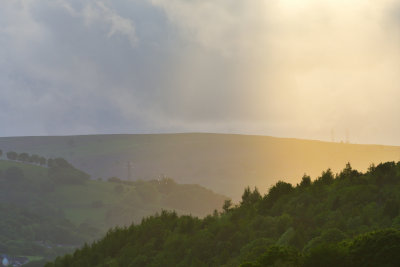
{"x": 225, "y": 163}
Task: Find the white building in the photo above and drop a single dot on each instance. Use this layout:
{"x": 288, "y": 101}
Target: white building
{"x": 5, "y": 261}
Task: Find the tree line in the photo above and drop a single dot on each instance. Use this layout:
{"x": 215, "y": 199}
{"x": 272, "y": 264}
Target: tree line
{"x": 59, "y": 169}
{"x": 37, "y": 159}
{"x": 345, "y": 219}
{"x": 25, "y": 158}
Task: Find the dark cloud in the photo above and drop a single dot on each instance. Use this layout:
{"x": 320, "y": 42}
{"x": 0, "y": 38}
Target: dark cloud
{"x": 89, "y": 78}
{"x": 80, "y": 67}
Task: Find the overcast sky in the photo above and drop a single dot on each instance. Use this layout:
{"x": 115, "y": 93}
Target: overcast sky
{"x": 290, "y": 68}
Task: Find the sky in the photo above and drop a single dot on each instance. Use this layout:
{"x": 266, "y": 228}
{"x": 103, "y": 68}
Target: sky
{"x": 313, "y": 69}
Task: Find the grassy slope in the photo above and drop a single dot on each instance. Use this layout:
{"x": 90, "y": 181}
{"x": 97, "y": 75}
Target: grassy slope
{"x": 222, "y": 162}
{"x": 76, "y": 201}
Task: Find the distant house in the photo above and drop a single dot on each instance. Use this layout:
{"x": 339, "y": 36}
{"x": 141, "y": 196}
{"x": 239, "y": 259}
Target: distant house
{"x": 4, "y": 260}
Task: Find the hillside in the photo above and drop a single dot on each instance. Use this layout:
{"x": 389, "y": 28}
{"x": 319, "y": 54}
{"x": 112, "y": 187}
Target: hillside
{"x": 224, "y": 163}
{"x": 335, "y": 220}
{"x": 47, "y": 211}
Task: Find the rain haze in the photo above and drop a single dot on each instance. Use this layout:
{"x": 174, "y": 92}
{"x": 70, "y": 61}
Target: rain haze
{"x": 326, "y": 70}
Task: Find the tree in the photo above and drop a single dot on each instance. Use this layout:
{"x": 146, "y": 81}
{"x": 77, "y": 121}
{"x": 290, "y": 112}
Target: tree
{"x": 11, "y": 155}
{"x": 35, "y": 159}
{"x": 255, "y": 196}
{"x": 279, "y": 189}
{"x": 249, "y": 197}
{"x": 305, "y": 181}
{"x": 42, "y": 161}
{"x": 280, "y": 256}
{"x": 385, "y": 173}
{"x": 380, "y": 248}
{"x": 63, "y": 163}
{"x": 1, "y": 152}
{"x": 227, "y": 205}
{"x": 66, "y": 174}
{"x": 316, "y": 220}
{"x": 24, "y": 157}
{"x": 274, "y": 193}
{"x": 326, "y": 178}
{"x": 246, "y": 195}
{"x": 58, "y": 162}
{"x": 391, "y": 209}
{"x": 329, "y": 255}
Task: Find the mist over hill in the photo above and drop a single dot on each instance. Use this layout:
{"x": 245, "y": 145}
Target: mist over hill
{"x": 50, "y": 210}
{"x": 225, "y": 163}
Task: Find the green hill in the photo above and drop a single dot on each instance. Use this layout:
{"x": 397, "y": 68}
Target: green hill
{"x": 348, "y": 219}
{"x": 225, "y": 163}
{"x": 49, "y": 211}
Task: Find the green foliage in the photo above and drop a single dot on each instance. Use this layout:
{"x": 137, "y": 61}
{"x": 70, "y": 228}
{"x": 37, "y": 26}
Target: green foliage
{"x": 329, "y": 236}
{"x": 286, "y": 238}
{"x": 305, "y": 181}
{"x": 280, "y": 256}
{"x": 24, "y": 157}
{"x": 12, "y": 155}
{"x": 278, "y": 190}
{"x": 44, "y": 216}
{"x": 62, "y": 172}
{"x": 35, "y": 159}
{"x": 326, "y": 178}
{"x": 329, "y": 255}
{"x": 227, "y": 205}
{"x": 253, "y": 250}
{"x": 378, "y": 248}
{"x": 332, "y": 221}
{"x": 391, "y": 208}
{"x": 249, "y": 198}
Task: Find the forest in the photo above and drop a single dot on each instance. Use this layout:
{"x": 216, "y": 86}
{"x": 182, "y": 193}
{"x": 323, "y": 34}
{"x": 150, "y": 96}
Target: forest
{"x": 344, "y": 219}
{"x": 52, "y": 208}
{"x": 199, "y": 133}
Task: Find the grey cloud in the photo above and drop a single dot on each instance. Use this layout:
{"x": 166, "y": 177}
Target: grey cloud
{"x": 81, "y": 63}
{"x": 77, "y": 67}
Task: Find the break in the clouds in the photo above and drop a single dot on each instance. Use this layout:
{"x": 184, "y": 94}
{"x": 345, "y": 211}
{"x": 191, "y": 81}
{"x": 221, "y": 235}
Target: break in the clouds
{"x": 296, "y": 68}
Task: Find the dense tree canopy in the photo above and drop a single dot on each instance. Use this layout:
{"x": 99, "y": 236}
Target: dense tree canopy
{"x": 347, "y": 219}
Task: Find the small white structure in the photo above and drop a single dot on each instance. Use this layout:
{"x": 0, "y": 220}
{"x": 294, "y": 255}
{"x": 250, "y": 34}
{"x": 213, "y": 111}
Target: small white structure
{"x": 5, "y": 262}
